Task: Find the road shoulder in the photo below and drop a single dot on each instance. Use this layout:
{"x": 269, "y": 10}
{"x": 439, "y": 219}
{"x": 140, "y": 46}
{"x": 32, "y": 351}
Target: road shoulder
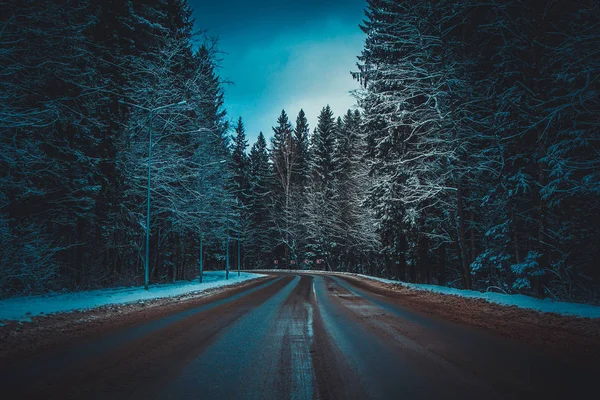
{"x": 23, "y": 339}
{"x": 567, "y": 336}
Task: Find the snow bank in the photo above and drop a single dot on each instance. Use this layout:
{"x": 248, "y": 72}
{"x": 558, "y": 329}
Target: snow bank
{"x": 21, "y": 308}
{"x": 518, "y": 300}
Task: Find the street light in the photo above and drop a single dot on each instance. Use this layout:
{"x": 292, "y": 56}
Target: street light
{"x": 201, "y": 235}
{"x": 227, "y": 247}
{"x": 151, "y": 111}
{"x": 239, "y": 253}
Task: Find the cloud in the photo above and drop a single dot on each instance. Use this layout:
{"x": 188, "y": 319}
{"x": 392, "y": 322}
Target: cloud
{"x": 306, "y": 69}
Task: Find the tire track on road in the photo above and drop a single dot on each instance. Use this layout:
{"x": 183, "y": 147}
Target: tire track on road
{"x": 152, "y": 357}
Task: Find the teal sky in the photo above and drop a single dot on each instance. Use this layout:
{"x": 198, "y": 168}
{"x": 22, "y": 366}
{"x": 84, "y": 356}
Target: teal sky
{"x": 284, "y": 54}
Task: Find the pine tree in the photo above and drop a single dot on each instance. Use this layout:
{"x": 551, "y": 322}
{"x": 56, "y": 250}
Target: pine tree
{"x": 215, "y": 144}
{"x": 240, "y": 164}
{"x": 345, "y": 162}
{"x": 75, "y": 82}
{"x": 299, "y": 185}
{"x": 283, "y": 158}
{"x": 301, "y": 139}
{"x": 241, "y": 185}
{"x": 465, "y": 107}
{"x": 259, "y": 205}
{"x": 323, "y": 141}
{"x": 321, "y": 194}
{"x": 49, "y": 134}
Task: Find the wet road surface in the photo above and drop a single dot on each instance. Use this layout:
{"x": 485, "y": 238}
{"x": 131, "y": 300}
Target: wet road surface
{"x": 296, "y": 337}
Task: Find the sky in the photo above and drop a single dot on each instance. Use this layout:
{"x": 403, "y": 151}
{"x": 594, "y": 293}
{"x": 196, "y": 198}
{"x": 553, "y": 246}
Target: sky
{"x": 284, "y": 54}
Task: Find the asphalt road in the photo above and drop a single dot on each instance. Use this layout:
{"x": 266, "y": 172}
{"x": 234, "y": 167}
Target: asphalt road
{"x": 296, "y": 337}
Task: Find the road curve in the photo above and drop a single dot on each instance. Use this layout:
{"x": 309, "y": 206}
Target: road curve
{"x": 296, "y": 337}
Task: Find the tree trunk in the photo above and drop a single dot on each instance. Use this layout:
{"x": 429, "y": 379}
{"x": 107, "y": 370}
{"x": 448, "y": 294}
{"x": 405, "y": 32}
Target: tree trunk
{"x": 462, "y": 239}
{"x": 540, "y": 280}
{"x": 422, "y": 260}
{"x": 472, "y": 237}
{"x": 442, "y": 272}
{"x": 201, "y": 259}
{"x": 402, "y": 257}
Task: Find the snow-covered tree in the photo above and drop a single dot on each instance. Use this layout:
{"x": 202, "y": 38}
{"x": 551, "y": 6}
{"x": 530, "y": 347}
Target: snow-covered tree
{"x": 260, "y": 205}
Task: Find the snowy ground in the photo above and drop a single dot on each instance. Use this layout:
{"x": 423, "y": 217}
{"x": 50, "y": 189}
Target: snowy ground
{"x": 518, "y": 300}
{"x": 22, "y": 308}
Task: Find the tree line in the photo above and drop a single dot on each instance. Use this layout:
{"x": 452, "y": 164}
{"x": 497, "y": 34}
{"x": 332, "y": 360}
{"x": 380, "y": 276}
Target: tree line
{"x": 300, "y": 199}
{"x": 85, "y": 86}
{"x": 471, "y": 160}
{"x": 481, "y": 129}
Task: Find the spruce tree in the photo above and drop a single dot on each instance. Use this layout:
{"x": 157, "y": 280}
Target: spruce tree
{"x": 240, "y": 163}
{"x": 259, "y": 204}
{"x": 321, "y": 192}
{"x": 283, "y": 157}
{"x": 240, "y": 184}
{"x": 323, "y": 142}
{"x": 299, "y": 186}
{"x": 302, "y": 168}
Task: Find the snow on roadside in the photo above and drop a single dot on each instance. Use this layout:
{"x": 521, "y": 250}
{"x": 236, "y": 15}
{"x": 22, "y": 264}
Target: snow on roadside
{"x": 518, "y": 300}
{"x": 22, "y": 308}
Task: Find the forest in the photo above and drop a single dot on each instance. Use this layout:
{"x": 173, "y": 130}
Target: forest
{"x": 471, "y": 159}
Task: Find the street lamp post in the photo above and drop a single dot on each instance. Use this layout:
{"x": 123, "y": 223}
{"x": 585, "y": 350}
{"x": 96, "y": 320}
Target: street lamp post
{"x": 151, "y": 111}
{"x": 147, "y": 259}
{"x": 227, "y": 247}
{"x": 227, "y": 258}
{"x": 201, "y": 257}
